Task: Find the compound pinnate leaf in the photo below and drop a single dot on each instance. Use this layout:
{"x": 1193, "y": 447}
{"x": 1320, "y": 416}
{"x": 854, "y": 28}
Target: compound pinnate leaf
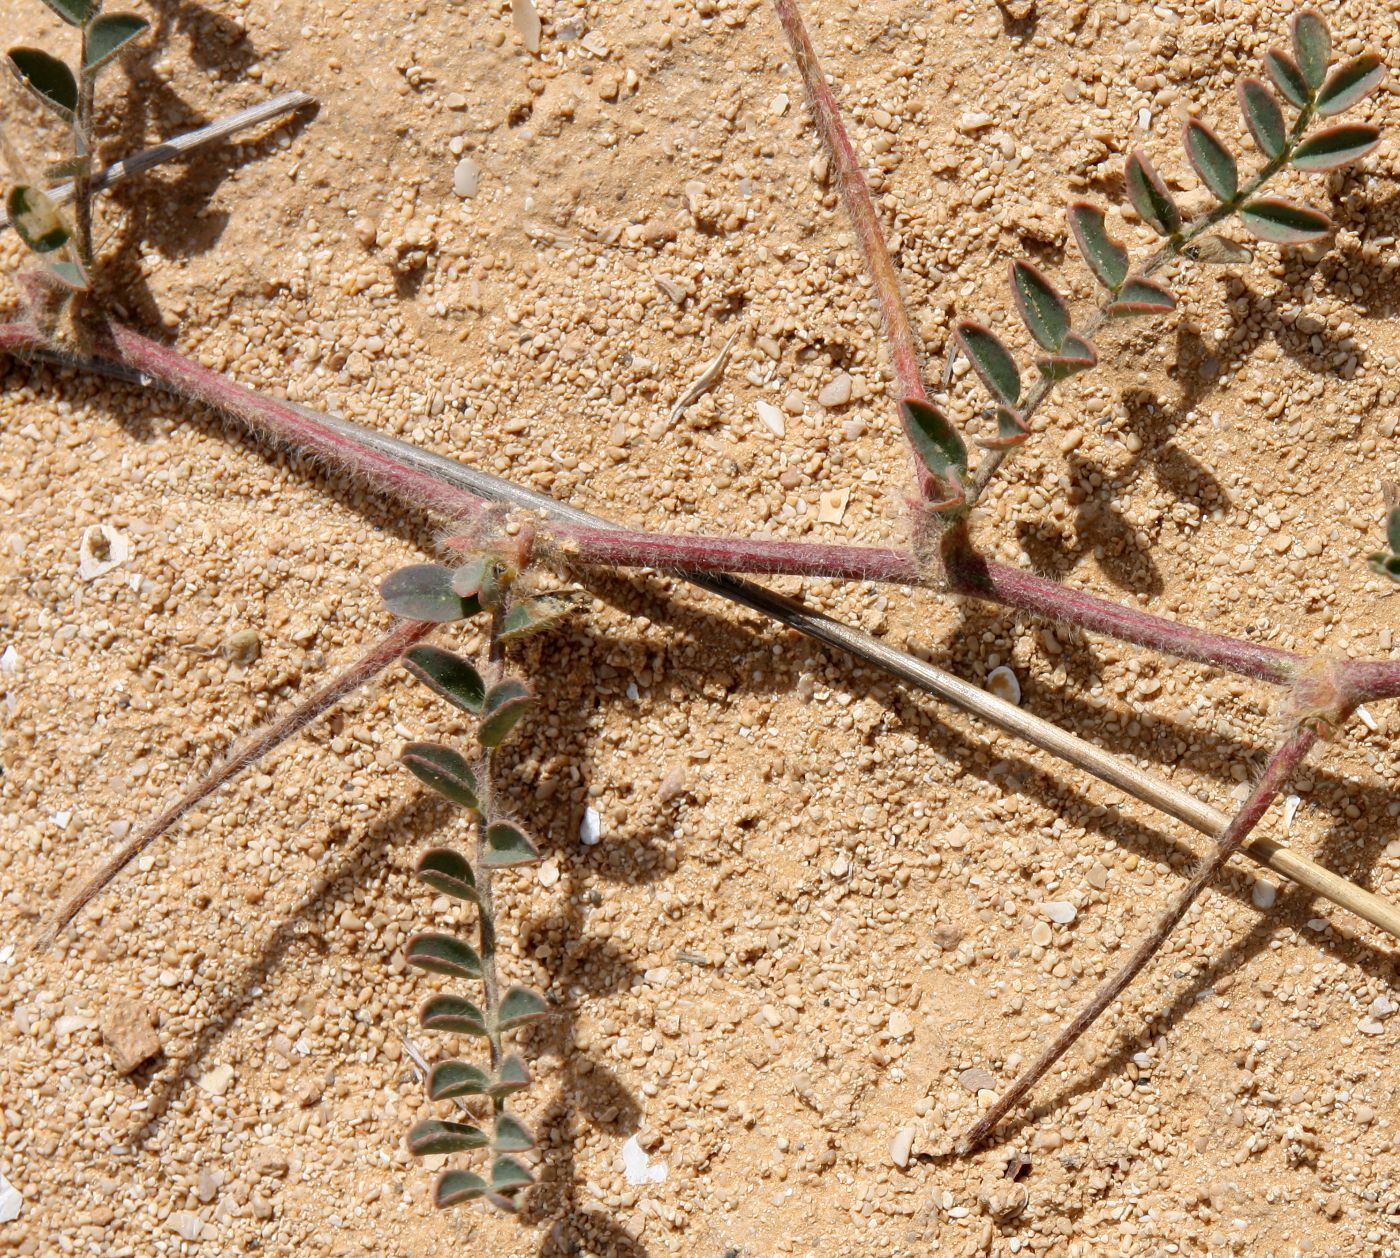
{"x": 74, "y": 12}
{"x": 1011, "y": 431}
{"x": 1211, "y": 160}
{"x": 505, "y": 703}
{"x": 511, "y": 1135}
{"x": 1217, "y": 251}
{"x": 1263, "y": 116}
{"x": 1336, "y": 146}
{"x": 535, "y": 614}
{"x": 1141, "y": 297}
{"x": 1287, "y": 77}
{"x": 1349, "y": 83}
{"x": 443, "y": 954}
{"x": 936, "y": 444}
{"x": 1312, "y": 47}
{"x": 454, "y": 1187}
{"x": 449, "y": 1079}
{"x": 1076, "y": 354}
{"x": 452, "y": 1013}
{"x": 108, "y": 35}
{"x": 1041, "y": 308}
{"x": 445, "y": 770}
{"x": 511, "y": 1077}
{"x": 48, "y": 78}
{"x": 520, "y": 1006}
{"x": 992, "y": 362}
{"x": 1284, "y": 222}
{"x": 1149, "y": 195}
{"x": 1103, "y": 255}
{"x": 448, "y": 871}
{"x": 423, "y": 591}
{"x": 508, "y": 845}
{"x": 433, "y": 1135}
{"x": 36, "y": 219}
{"x": 448, "y": 675}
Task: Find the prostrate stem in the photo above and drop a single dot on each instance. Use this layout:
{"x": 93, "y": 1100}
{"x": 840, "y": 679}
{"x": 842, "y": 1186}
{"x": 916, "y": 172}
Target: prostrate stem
{"x": 371, "y": 664}
{"x": 1281, "y": 766}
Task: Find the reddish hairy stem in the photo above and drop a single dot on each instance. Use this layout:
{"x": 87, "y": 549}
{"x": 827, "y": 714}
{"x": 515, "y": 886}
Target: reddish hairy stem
{"x": 404, "y": 635}
{"x": 855, "y": 193}
{"x": 625, "y": 548}
{"x": 1281, "y": 766}
{"x": 969, "y": 573}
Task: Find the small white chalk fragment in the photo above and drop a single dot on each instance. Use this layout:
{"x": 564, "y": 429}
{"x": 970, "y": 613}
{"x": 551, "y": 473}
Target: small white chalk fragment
{"x": 548, "y": 873}
{"x": 1144, "y": 119}
{"x": 771, "y": 417}
{"x": 1061, "y": 912}
{"x": 1382, "y": 1007}
{"x": 1263, "y": 893}
{"x": 831, "y": 507}
{"x": 1003, "y": 683}
{"x": 9, "y": 661}
{"x": 637, "y": 1166}
{"x": 590, "y": 828}
{"x": 10, "y": 1201}
{"x": 1367, "y": 719}
{"x": 216, "y": 1081}
{"x": 1290, "y": 810}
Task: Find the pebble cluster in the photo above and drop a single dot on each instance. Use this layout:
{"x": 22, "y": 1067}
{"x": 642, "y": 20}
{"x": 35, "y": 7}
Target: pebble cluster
{"x": 797, "y": 924}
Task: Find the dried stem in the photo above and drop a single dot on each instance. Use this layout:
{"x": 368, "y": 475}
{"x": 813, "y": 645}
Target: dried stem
{"x": 855, "y": 193}
{"x": 1276, "y": 773}
{"x": 485, "y": 875}
{"x": 368, "y": 666}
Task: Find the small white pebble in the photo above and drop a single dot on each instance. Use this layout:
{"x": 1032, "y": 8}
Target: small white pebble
{"x": 1290, "y": 810}
{"x": 771, "y": 417}
{"x": 466, "y": 179}
{"x": 1367, "y": 719}
{"x": 1061, "y": 912}
{"x": 216, "y": 1081}
{"x": 1381, "y": 1007}
{"x": 1041, "y": 934}
{"x": 548, "y": 873}
{"x": 635, "y": 1165}
{"x": 1263, "y": 894}
{"x": 976, "y": 1079}
{"x": 902, "y": 1146}
{"x": 590, "y": 828}
{"x": 840, "y": 867}
{"x": 9, "y": 661}
{"x": 1371, "y": 1026}
{"x": 836, "y": 391}
{"x": 900, "y": 1024}
{"x": 632, "y": 692}
{"x": 1003, "y": 683}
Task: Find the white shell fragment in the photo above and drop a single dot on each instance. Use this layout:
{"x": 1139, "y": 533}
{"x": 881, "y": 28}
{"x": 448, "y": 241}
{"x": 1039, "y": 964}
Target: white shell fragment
{"x": 1367, "y": 719}
{"x": 1290, "y": 810}
{"x": 10, "y": 1201}
{"x": 101, "y": 550}
{"x": 637, "y": 1166}
{"x": 590, "y": 829}
{"x": 1003, "y": 683}
{"x": 902, "y": 1146}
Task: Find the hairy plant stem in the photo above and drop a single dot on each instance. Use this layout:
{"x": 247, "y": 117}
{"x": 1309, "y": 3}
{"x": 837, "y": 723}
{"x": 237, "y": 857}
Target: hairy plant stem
{"x": 468, "y": 489}
{"x": 1165, "y": 254}
{"x": 485, "y": 875}
{"x": 404, "y": 635}
{"x": 1282, "y": 764}
{"x": 860, "y": 208}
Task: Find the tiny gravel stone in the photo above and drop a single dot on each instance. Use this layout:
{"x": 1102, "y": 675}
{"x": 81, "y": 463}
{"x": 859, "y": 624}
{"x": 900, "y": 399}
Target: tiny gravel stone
{"x": 129, "y": 1036}
{"x": 590, "y": 828}
{"x": 242, "y": 646}
{"x": 794, "y": 403}
{"x": 10, "y": 1201}
{"x": 272, "y": 1162}
{"x": 1381, "y": 1007}
{"x": 835, "y": 392}
{"x": 1263, "y": 893}
{"x": 946, "y": 935}
{"x": 466, "y": 179}
{"x": 831, "y": 509}
{"x": 1061, "y": 912}
{"x": 186, "y": 1224}
{"x": 1041, "y": 934}
{"x": 101, "y": 550}
{"x": 454, "y": 101}
{"x": 672, "y": 785}
{"x": 841, "y": 866}
{"x": 1371, "y": 1026}
{"x": 208, "y": 1183}
{"x": 902, "y": 1145}
{"x": 1003, "y": 683}
{"x": 977, "y": 1079}
{"x": 771, "y": 418}
{"x": 901, "y": 1024}
{"x": 216, "y": 1081}
{"x": 548, "y": 873}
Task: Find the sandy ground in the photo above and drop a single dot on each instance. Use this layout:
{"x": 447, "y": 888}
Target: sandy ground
{"x": 828, "y": 926}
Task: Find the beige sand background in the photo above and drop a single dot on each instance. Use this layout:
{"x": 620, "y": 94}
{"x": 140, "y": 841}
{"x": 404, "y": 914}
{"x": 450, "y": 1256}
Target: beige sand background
{"x": 815, "y": 902}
